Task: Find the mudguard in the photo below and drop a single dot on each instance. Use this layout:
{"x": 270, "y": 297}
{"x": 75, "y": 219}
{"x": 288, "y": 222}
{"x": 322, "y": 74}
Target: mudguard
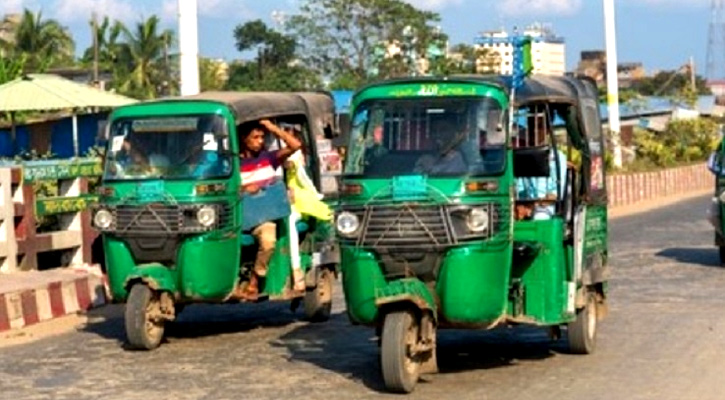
{"x": 157, "y": 276}
{"x": 409, "y": 290}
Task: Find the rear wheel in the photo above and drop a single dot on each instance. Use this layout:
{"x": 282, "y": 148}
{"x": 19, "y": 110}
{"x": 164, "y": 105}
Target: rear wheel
{"x": 582, "y": 333}
{"x": 400, "y": 368}
{"x": 318, "y": 301}
{"x": 144, "y": 326}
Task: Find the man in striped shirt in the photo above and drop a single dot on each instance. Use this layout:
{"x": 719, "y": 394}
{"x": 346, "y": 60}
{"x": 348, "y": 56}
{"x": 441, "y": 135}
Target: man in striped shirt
{"x": 258, "y": 170}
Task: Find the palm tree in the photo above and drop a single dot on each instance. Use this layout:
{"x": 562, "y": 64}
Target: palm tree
{"x": 143, "y": 57}
{"x": 45, "y": 42}
{"x": 109, "y": 46}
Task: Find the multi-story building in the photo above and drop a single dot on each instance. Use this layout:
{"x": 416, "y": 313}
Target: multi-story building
{"x": 593, "y": 63}
{"x": 548, "y": 51}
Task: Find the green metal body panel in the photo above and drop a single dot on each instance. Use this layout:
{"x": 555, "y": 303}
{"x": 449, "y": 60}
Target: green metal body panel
{"x": 361, "y": 278}
{"x": 207, "y": 269}
{"x": 119, "y": 265}
{"x": 473, "y": 284}
{"x": 157, "y": 276}
{"x": 543, "y": 277}
{"x": 430, "y": 89}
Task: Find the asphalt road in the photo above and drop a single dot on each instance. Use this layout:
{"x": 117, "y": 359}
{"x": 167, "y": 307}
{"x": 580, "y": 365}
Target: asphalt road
{"x": 662, "y": 340}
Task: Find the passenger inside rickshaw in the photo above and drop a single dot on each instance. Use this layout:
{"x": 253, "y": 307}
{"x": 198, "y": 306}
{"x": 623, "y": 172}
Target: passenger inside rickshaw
{"x": 537, "y": 196}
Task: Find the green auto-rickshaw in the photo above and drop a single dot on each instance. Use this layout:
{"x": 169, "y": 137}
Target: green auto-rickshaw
{"x": 467, "y": 202}
{"x": 716, "y": 165}
{"x": 171, "y": 212}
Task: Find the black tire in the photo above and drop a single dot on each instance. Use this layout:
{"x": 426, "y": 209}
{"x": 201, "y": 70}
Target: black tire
{"x": 143, "y": 333}
{"x": 400, "y": 371}
{"x": 722, "y": 255}
{"x": 582, "y": 333}
{"x": 318, "y": 301}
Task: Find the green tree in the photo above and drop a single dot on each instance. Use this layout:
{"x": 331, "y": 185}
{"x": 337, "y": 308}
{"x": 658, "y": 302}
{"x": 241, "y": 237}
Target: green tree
{"x": 141, "y": 69}
{"x": 275, "y": 66}
{"x": 338, "y": 38}
{"x": 669, "y": 83}
{"x": 45, "y": 42}
{"x": 12, "y": 67}
{"x": 274, "y": 50}
{"x": 108, "y": 35}
{"x": 212, "y": 74}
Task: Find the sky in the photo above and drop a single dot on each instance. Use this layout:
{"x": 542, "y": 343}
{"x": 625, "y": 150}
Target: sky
{"x": 662, "y": 34}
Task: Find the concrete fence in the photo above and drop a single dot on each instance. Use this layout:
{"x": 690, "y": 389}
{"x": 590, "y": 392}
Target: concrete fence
{"x": 20, "y": 210}
{"x": 633, "y": 188}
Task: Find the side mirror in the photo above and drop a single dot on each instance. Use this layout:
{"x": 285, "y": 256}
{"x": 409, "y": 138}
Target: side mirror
{"x": 532, "y": 162}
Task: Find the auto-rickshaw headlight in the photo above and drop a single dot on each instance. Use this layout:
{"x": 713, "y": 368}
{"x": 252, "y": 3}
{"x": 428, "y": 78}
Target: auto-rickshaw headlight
{"x": 477, "y": 220}
{"x": 206, "y": 216}
{"x": 347, "y": 223}
{"x": 103, "y": 219}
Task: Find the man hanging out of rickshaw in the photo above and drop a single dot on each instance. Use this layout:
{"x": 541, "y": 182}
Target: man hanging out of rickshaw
{"x": 258, "y": 170}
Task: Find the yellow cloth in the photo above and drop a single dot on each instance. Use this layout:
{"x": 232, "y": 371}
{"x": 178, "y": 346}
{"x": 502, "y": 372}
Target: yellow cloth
{"x": 306, "y": 198}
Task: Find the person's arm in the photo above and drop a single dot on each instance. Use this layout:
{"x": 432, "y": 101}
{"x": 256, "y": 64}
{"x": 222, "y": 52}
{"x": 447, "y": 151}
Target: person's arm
{"x": 293, "y": 144}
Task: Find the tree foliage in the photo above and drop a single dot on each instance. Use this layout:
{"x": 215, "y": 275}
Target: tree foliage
{"x": 109, "y": 41}
{"x": 141, "y": 69}
{"x": 668, "y": 83}
{"x": 683, "y": 141}
{"x": 348, "y": 40}
{"x": 44, "y": 41}
{"x": 212, "y": 75}
{"x": 275, "y": 66}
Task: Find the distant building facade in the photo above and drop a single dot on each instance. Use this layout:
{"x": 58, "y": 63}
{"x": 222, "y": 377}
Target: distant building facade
{"x": 593, "y": 63}
{"x": 548, "y": 50}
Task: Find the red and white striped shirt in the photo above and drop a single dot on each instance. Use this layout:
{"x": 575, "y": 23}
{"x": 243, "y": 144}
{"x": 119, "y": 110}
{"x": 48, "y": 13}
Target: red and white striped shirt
{"x": 260, "y": 170}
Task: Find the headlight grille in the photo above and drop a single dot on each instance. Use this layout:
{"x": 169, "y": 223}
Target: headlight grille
{"x": 413, "y": 226}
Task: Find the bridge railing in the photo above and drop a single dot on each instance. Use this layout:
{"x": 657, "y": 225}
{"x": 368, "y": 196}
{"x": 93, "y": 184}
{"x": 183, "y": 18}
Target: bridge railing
{"x": 20, "y": 209}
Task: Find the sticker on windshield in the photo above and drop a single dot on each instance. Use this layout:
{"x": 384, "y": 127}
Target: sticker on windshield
{"x": 210, "y": 143}
{"x": 117, "y": 143}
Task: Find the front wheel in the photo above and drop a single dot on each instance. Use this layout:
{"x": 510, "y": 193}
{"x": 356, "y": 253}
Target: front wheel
{"x": 318, "y": 301}
{"x": 582, "y": 332}
{"x": 400, "y": 336}
{"x": 144, "y": 326}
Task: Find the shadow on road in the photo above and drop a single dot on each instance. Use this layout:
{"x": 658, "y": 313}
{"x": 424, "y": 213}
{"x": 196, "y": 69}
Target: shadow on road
{"x": 353, "y": 351}
{"x": 707, "y": 257}
{"x": 198, "y": 320}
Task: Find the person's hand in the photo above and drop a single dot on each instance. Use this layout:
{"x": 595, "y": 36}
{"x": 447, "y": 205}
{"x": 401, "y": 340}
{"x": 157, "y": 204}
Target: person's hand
{"x": 251, "y": 188}
{"x": 268, "y": 125}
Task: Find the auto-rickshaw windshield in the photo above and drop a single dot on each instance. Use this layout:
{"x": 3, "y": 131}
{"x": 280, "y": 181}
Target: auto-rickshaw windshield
{"x": 174, "y": 147}
{"x": 432, "y": 136}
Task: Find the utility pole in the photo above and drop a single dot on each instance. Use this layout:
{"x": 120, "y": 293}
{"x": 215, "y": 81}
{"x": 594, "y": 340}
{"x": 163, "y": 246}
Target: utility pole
{"x": 693, "y": 83}
{"x": 188, "y": 47}
{"x": 94, "y": 28}
{"x": 167, "y": 72}
{"x": 612, "y": 82}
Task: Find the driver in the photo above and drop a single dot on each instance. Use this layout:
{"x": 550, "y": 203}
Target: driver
{"x": 447, "y": 160}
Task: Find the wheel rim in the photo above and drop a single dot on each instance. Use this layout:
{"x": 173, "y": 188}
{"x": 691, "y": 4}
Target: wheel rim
{"x": 154, "y": 329}
{"x": 324, "y": 286}
{"x": 411, "y": 338}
